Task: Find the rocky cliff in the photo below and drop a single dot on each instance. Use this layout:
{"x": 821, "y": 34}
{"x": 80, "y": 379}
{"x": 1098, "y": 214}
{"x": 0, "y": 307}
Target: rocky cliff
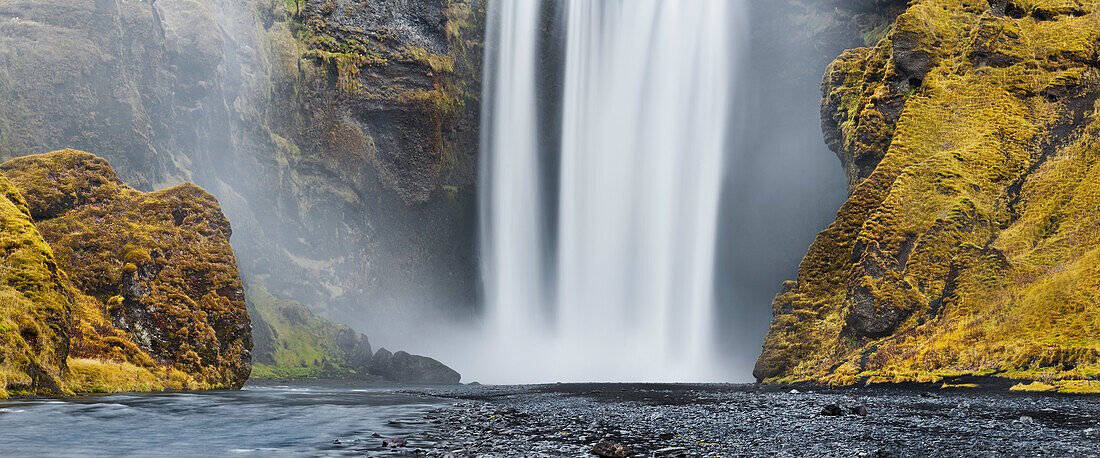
{"x": 968, "y": 245}
{"x": 291, "y": 342}
{"x": 370, "y": 158}
{"x": 112, "y": 289}
{"x": 340, "y": 137}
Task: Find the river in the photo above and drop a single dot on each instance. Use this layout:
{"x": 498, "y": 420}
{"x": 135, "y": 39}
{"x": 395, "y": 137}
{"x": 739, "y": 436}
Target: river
{"x": 260, "y": 420}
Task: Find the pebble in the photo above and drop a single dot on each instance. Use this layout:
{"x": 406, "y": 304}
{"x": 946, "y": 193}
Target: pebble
{"x": 562, "y": 420}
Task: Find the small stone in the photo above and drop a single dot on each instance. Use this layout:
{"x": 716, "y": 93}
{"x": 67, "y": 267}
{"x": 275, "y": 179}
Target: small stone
{"x": 670, "y": 452}
{"x": 394, "y": 442}
{"x": 1027, "y": 420}
{"x": 832, "y": 410}
{"x": 794, "y": 391}
{"x": 610, "y": 450}
{"x": 858, "y": 410}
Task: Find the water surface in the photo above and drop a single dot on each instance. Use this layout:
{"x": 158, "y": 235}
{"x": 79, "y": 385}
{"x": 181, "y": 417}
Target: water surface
{"x": 259, "y": 420}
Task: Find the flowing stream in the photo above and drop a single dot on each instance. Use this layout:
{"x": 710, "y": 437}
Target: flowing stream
{"x": 600, "y": 267}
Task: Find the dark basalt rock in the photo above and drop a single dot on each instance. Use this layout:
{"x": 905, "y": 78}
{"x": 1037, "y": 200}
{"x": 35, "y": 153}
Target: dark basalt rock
{"x": 832, "y": 410}
{"x": 610, "y": 450}
{"x": 405, "y": 368}
{"x": 395, "y": 442}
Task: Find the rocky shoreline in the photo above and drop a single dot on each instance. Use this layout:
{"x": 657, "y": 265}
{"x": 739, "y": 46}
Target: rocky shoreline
{"x": 736, "y": 420}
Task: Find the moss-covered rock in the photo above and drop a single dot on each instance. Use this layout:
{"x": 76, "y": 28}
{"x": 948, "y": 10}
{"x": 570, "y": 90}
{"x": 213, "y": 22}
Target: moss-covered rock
{"x": 293, "y": 343}
{"x": 366, "y": 158}
{"x": 34, "y": 304}
{"x": 968, "y": 244}
{"x": 156, "y": 298}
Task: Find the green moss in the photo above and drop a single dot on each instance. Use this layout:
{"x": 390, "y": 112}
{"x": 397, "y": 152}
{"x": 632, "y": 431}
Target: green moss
{"x": 34, "y": 303}
{"x": 296, "y": 344}
{"x": 967, "y": 245}
{"x": 151, "y": 277}
{"x": 439, "y": 64}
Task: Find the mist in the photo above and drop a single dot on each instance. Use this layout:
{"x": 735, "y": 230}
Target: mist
{"x": 780, "y": 187}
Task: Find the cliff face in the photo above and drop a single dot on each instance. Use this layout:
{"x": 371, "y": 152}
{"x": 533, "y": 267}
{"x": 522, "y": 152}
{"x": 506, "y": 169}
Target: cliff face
{"x": 339, "y": 136}
{"x": 110, "y": 77}
{"x": 968, "y": 245}
{"x": 134, "y": 291}
{"x": 371, "y": 159}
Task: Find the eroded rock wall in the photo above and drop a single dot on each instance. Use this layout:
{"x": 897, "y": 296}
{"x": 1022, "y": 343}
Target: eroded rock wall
{"x": 968, "y": 244}
{"x": 340, "y": 136}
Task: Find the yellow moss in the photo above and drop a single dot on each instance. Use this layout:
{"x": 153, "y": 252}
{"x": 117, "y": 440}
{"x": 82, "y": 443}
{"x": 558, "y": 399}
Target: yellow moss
{"x": 172, "y": 244}
{"x": 438, "y": 63}
{"x": 974, "y": 238}
{"x": 1033, "y": 386}
{"x": 34, "y": 303}
{"x": 946, "y": 386}
{"x": 95, "y": 376}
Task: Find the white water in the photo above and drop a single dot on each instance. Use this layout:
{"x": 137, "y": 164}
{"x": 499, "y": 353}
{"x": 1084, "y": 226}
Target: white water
{"x": 646, "y": 103}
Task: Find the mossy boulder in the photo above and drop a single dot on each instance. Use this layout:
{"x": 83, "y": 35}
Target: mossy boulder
{"x": 149, "y": 291}
{"x": 968, "y": 245}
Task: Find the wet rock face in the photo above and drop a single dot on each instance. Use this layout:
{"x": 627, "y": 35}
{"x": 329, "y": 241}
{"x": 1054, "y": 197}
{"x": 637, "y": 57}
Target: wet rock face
{"x": 405, "y": 368}
{"x": 373, "y": 110}
{"x": 968, "y": 134}
{"x": 406, "y": 75}
{"x": 112, "y": 78}
{"x": 153, "y": 272}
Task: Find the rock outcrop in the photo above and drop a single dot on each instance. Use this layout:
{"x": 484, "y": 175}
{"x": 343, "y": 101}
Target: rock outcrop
{"x": 34, "y": 303}
{"x": 121, "y": 290}
{"x": 968, "y": 245}
{"x": 402, "y": 367}
{"x": 291, "y": 342}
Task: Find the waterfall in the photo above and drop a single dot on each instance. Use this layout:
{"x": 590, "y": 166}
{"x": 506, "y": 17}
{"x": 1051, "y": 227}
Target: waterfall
{"x": 611, "y": 279}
